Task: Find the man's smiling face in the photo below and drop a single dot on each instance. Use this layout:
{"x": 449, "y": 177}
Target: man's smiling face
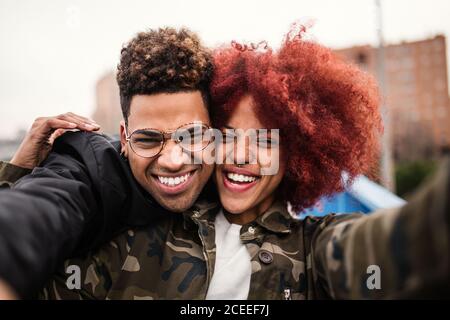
{"x": 167, "y": 176}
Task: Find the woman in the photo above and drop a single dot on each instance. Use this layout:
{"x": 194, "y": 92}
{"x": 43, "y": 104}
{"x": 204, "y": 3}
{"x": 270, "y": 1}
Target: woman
{"x": 327, "y": 113}
{"x": 326, "y": 110}
{"x": 329, "y": 122}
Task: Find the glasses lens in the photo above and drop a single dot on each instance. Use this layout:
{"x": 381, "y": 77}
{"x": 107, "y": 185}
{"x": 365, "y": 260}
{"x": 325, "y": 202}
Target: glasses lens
{"x": 146, "y": 143}
{"x": 193, "y": 137}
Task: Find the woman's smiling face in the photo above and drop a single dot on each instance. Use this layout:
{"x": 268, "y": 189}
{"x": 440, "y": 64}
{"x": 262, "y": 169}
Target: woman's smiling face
{"x": 247, "y": 188}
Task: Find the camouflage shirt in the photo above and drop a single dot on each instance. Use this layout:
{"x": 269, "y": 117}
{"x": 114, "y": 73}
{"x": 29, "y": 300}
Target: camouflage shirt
{"x": 393, "y": 253}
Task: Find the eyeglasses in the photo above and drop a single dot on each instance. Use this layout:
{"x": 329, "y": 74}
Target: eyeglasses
{"x": 191, "y": 137}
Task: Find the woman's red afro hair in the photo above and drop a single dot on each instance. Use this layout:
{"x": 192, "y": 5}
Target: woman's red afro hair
{"x": 326, "y": 109}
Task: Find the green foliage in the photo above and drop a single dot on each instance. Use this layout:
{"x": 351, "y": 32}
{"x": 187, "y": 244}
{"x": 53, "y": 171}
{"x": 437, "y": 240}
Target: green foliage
{"x": 409, "y": 175}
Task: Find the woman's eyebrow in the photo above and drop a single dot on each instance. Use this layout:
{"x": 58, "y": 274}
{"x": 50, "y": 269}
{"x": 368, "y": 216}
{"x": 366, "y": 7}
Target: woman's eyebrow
{"x": 267, "y": 132}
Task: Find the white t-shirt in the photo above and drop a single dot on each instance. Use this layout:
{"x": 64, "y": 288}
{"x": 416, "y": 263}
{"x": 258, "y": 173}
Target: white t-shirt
{"x": 232, "y": 271}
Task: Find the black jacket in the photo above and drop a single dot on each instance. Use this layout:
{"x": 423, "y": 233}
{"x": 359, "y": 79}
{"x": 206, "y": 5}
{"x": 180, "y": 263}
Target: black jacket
{"x": 81, "y": 196}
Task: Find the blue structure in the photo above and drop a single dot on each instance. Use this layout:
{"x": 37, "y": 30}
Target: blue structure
{"x": 363, "y": 195}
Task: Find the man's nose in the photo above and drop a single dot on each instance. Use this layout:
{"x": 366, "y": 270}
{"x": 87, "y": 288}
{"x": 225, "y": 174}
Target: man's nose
{"x": 172, "y": 157}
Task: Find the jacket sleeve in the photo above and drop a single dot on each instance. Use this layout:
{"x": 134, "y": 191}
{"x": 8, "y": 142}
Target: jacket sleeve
{"x": 40, "y": 220}
{"x": 10, "y": 173}
{"x": 81, "y": 195}
{"x": 391, "y": 253}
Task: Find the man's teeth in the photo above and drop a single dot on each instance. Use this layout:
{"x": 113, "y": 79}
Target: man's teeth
{"x": 173, "y": 181}
{"x": 240, "y": 177}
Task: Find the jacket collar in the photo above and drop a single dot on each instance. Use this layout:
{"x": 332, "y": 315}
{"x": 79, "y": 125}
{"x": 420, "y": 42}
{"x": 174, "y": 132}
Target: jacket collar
{"x": 276, "y": 219}
{"x": 201, "y": 210}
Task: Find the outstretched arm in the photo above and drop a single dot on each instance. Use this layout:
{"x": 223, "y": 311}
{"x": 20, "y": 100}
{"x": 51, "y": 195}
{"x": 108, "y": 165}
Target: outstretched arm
{"x": 41, "y": 218}
{"x": 81, "y": 195}
{"x": 392, "y": 253}
{"x": 35, "y": 148}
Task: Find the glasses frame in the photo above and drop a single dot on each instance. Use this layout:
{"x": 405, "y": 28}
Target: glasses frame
{"x": 167, "y": 135}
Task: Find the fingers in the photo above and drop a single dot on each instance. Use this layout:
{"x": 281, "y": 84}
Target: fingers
{"x": 39, "y": 139}
{"x": 81, "y": 122}
{"x": 56, "y": 134}
{"x": 54, "y": 123}
{"x": 44, "y": 127}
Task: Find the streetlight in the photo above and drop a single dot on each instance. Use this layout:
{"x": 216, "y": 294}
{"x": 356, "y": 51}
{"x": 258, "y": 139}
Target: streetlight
{"x": 387, "y": 163}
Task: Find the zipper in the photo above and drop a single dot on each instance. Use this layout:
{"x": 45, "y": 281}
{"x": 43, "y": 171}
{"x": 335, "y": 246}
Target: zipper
{"x": 205, "y": 255}
{"x": 287, "y": 294}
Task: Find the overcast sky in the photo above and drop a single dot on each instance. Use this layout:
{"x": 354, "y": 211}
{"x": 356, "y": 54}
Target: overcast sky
{"x": 53, "y": 51}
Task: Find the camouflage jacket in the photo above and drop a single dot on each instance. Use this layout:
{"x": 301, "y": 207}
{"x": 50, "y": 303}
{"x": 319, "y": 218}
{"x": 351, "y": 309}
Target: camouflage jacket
{"x": 393, "y": 253}
{"x": 10, "y": 173}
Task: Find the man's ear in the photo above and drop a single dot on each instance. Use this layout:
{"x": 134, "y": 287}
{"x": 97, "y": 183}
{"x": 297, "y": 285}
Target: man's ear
{"x": 123, "y": 139}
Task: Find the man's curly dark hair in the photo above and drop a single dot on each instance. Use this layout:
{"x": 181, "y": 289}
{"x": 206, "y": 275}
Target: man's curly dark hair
{"x": 165, "y": 60}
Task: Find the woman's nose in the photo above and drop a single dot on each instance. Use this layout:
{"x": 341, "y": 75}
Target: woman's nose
{"x": 244, "y": 150}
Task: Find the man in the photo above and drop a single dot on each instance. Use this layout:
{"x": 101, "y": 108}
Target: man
{"x": 88, "y": 189}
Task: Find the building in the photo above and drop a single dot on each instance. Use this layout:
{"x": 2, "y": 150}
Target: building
{"x": 108, "y": 113}
{"x": 9, "y": 146}
{"x": 417, "y": 95}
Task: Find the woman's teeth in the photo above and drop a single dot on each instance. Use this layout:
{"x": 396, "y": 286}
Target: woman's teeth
{"x": 240, "y": 177}
{"x": 173, "y": 181}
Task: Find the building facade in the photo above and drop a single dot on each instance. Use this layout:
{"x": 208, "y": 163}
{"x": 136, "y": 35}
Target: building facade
{"x": 416, "y": 94}
{"x": 108, "y": 113}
